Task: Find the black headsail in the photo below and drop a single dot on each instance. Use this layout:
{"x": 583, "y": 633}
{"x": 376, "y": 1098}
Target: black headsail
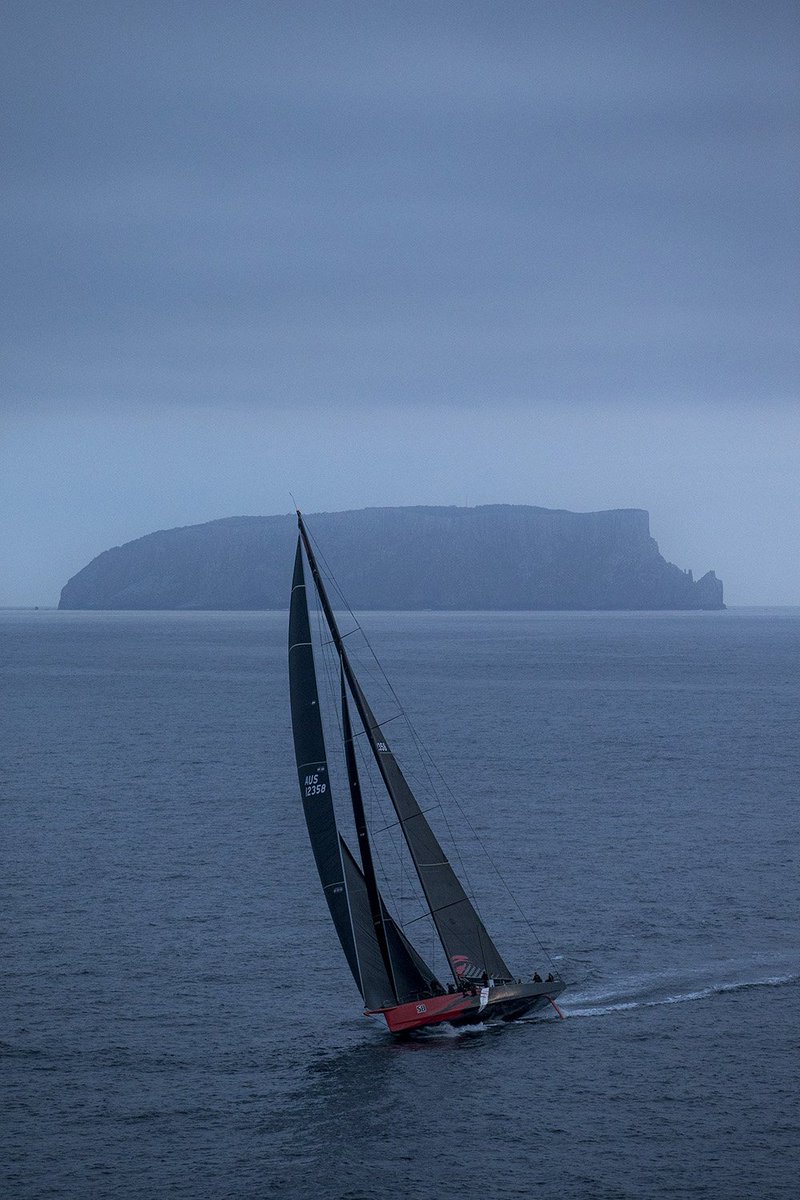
{"x": 470, "y": 950}
{"x": 386, "y": 971}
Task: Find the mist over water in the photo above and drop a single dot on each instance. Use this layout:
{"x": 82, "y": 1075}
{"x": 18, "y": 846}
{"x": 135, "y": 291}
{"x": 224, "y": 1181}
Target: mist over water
{"x": 177, "y": 1018}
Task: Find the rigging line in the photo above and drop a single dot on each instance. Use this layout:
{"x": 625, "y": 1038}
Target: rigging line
{"x": 419, "y": 746}
{"x": 529, "y": 925}
{"x": 419, "y": 784}
{"x": 425, "y": 757}
{"x": 343, "y": 598}
{"x": 385, "y": 880}
{"x": 433, "y": 911}
{"x": 396, "y": 844}
{"x": 345, "y": 604}
{"x": 365, "y": 668}
{"x": 432, "y": 940}
{"x": 379, "y": 724}
{"x": 325, "y": 659}
{"x": 350, "y": 632}
{"x": 329, "y": 573}
{"x": 366, "y": 773}
{"x": 359, "y": 628}
{"x": 397, "y": 824}
{"x": 371, "y": 680}
{"x": 483, "y": 847}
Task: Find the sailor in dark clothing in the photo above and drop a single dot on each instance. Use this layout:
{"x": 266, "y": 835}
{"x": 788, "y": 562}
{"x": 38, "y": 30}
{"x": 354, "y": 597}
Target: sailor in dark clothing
{"x": 550, "y": 978}
{"x": 484, "y": 979}
{"x": 537, "y": 977}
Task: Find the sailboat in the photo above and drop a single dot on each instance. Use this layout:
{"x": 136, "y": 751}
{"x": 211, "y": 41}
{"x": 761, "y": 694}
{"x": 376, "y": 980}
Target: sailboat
{"x": 392, "y": 976}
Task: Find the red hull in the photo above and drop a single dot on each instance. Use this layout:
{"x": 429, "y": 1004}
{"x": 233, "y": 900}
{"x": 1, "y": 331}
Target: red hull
{"x": 506, "y": 1001}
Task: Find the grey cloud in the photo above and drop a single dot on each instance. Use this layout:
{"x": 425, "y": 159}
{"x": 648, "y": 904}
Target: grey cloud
{"x": 376, "y": 207}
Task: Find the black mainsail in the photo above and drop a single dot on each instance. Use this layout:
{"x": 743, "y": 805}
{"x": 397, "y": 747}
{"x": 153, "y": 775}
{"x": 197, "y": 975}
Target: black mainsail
{"x": 469, "y": 949}
{"x": 312, "y": 768}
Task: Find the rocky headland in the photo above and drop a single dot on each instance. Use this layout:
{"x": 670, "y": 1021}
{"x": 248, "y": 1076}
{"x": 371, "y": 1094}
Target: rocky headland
{"x": 496, "y": 556}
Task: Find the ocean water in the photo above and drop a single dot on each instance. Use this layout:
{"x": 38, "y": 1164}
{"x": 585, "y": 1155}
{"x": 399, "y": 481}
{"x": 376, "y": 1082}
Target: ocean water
{"x": 176, "y": 1018}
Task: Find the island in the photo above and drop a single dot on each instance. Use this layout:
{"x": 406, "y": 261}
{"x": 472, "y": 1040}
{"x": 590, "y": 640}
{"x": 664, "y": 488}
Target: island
{"x": 492, "y": 556}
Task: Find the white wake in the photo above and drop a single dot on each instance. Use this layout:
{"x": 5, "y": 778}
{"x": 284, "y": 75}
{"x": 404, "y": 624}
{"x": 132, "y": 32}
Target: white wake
{"x": 652, "y": 992}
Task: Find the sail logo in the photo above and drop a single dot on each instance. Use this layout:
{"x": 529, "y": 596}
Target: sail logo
{"x": 464, "y": 969}
{"x": 312, "y": 785}
{"x": 382, "y": 747}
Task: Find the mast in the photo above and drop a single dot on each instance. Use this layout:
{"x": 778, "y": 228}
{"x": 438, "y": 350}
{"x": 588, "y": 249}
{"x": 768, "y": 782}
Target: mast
{"x": 469, "y": 949}
{"x": 365, "y": 850}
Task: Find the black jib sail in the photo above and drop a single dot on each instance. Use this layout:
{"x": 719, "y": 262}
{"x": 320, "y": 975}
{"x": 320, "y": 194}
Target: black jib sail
{"x": 387, "y": 971}
{"x": 470, "y": 950}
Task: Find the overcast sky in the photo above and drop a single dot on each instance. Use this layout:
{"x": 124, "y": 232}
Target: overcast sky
{"x": 396, "y": 253}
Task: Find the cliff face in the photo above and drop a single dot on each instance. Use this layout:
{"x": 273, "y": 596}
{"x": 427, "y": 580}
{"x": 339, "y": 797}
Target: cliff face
{"x": 492, "y": 557}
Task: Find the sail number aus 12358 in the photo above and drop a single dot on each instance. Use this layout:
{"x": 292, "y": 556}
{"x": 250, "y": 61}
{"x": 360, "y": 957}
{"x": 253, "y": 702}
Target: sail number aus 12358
{"x": 312, "y": 786}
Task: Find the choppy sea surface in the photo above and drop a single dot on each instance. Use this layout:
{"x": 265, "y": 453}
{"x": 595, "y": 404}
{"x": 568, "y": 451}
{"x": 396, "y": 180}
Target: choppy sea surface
{"x": 176, "y": 1017}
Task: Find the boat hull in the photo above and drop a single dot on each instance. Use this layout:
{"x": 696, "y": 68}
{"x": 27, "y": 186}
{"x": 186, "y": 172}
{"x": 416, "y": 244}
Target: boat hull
{"x": 507, "y": 1002}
